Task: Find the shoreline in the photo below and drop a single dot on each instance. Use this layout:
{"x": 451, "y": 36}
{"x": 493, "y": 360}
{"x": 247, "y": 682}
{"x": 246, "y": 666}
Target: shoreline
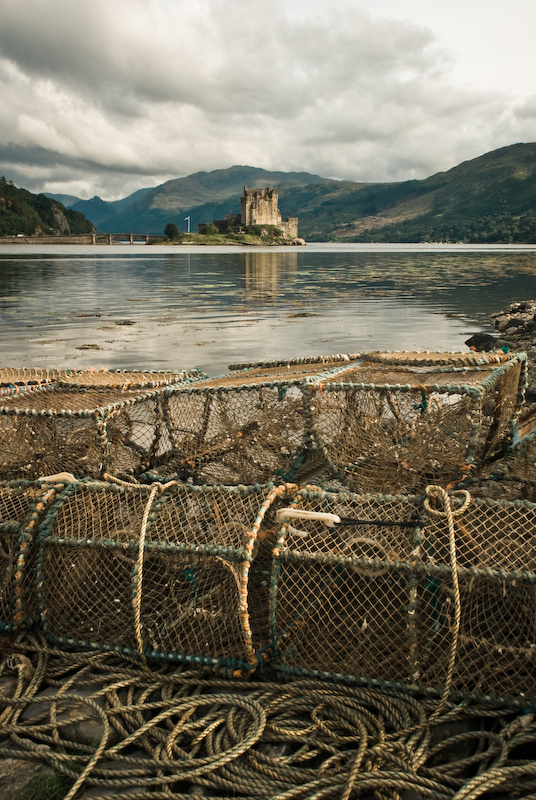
{"x": 155, "y": 240}
{"x": 516, "y": 327}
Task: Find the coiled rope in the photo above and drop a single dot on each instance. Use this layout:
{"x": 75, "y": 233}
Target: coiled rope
{"x": 167, "y": 733}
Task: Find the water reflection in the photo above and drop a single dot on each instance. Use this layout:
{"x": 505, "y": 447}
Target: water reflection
{"x": 264, "y": 273}
{"x": 171, "y": 309}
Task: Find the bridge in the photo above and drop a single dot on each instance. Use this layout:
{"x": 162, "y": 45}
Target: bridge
{"x": 131, "y": 238}
{"x": 85, "y": 238}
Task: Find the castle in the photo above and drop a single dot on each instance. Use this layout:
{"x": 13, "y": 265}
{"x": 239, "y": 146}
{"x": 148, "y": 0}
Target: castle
{"x": 260, "y": 207}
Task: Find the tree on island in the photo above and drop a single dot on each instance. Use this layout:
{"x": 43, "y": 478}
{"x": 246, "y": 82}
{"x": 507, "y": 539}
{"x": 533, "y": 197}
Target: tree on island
{"x": 171, "y": 231}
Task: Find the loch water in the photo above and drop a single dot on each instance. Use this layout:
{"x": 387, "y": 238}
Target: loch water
{"x": 148, "y": 307}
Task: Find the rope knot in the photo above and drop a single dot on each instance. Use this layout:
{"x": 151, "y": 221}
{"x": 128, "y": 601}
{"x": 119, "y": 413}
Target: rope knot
{"x": 438, "y": 493}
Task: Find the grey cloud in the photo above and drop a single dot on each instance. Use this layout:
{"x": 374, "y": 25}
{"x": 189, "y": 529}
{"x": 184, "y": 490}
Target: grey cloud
{"x": 115, "y": 94}
{"x": 213, "y": 56}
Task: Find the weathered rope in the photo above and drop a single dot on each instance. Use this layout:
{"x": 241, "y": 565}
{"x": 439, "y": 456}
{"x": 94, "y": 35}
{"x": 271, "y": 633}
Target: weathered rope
{"x": 439, "y": 493}
{"x": 155, "y": 489}
{"x": 136, "y": 599}
{"x": 167, "y": 733}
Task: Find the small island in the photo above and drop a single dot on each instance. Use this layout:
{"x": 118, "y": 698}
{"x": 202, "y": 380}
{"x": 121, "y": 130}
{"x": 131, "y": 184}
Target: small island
{"x": 259, "y": 223}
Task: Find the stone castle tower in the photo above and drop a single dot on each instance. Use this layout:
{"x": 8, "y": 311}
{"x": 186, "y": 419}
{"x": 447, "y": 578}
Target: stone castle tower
{"x": 260, "y": 207}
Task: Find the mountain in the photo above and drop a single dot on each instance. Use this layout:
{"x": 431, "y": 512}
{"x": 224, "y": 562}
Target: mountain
{"x": 96, "y": 209}
{"x": 203, "y": 196}
{"x": 491, "y": 198}
{"x": 32, "y": 214}
{"x": 68, "y": 200}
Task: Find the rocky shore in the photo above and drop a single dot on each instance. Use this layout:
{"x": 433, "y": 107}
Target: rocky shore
{"x": 516, "y": 327}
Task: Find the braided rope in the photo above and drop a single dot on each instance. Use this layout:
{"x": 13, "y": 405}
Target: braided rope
{"x": 138, "y": 575}
{"x": 156, "y": 488}
{"x": 439, "y": 493}
{"x": 305, "y": 740}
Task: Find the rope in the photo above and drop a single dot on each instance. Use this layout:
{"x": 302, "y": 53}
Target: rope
{"x": 166, "y": 732}
{"x": 439, "y": 493}
{"x": 138, "y": 577}
{"x": 138, "y": 572}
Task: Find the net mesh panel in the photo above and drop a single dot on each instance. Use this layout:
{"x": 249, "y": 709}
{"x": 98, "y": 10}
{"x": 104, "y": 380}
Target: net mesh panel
{"x": 241, "y": 434}
{"x": 14, "y": 380}
{"x": 23, "y": 377}
{"x": 376, "y": 601}
{"x": 21, "y": 506}
{"x": 194, "y": 594}
{"x": 389, "y": 429}
{"x": 85, "y": 432}
{"x": 332, "y": 612}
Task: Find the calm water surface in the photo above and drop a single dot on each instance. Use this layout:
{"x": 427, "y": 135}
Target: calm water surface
{"x": 135, "y": 307}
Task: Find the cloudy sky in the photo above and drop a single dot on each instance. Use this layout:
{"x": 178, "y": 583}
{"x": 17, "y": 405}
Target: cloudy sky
{"x": 109, "y": 96}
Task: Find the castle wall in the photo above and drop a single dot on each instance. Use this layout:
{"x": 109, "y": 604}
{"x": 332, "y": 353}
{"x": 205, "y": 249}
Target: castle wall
{"x": 290, "y": 226}
{"x": 261, "y": 207}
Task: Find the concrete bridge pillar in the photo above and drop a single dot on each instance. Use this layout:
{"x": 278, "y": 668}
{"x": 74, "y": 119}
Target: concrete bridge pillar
{"x": 110, "y": 238}
{"x": 131, "y": 238}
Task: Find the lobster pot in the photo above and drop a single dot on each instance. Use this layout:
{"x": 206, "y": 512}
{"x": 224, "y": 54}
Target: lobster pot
{"x": 374, "y": 598}
{"x": 82, "y": 430}
{"x": 22, "y": 504}
{"x": 14, "y": 381}
{"x": 392, "y": 429}
{"x": 175, "y": 588}
{"x": 496, "y": 568}
{"x": 239, "y": 429}
{"x": 339, "y": 595}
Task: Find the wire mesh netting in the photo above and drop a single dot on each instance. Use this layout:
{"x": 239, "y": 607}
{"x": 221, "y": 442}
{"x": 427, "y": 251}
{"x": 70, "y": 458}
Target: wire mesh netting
{"x": 303, "y": 366}
{"x": 235, "y": 430}
{"x": 123, "y": 379}
{"x": 387, "y": 594}
{"x": 519, "y": 462}
{"x": 160, "y": 572}
{"x": 14, "y": 380}
{"x": 388, "y": 428}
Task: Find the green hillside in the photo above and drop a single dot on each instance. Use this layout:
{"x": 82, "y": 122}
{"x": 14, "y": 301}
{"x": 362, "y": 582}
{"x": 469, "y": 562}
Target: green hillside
{"x": 203, "y": 196}
{"x": 491, "y": 198}
{"x": 22, "y": 212}
{"x": 488, "y": 199}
